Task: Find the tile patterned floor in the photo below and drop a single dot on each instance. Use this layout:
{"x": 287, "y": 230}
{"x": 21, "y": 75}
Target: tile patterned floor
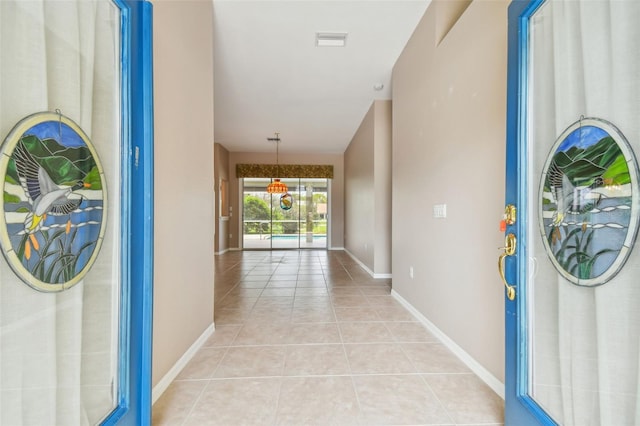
{"x": 309, "y": 338}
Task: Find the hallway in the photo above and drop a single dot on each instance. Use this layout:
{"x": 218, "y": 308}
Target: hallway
{"x": 309, "y": 338}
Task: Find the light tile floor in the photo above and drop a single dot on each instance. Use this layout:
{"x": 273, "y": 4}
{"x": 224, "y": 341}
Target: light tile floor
{"x": 309, "y": 338}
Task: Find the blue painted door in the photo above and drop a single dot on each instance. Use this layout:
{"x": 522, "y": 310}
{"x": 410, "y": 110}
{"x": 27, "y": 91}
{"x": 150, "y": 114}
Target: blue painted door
{"x": 520, "y": 408}
{"x": 76, "y": 218}
{"x": 570, "y": 227}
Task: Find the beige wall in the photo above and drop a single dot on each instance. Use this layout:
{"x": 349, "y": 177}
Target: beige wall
{"x": 449, "y": 148}
{"x": 367, "y": 193}
{"x": 221, "y": 171}
{"x": 336, "y": 207}
{"x": 184, "y": 203}
{"x": 382, "y": 166}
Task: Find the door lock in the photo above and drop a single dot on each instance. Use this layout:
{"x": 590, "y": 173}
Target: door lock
{"x": 508, "y": 218}
{"x": 510, "y": 214}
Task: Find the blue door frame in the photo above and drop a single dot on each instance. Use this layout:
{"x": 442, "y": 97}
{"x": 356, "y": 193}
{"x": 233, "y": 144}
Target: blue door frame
{"x": 521, "y": 409}
{"x": 134, "y": 393}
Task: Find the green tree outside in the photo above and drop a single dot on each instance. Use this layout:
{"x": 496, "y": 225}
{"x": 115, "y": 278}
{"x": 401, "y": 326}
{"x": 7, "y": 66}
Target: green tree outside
{"x": 256, "y": 209}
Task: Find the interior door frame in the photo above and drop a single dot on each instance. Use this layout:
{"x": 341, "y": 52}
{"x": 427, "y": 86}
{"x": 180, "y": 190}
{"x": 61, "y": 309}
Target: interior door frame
{"x": 134, "y": 366}
{"x": 520, "y": 407}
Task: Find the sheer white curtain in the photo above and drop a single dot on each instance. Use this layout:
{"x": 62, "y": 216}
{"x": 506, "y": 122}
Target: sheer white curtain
{"x": 585, "y": 61}
{"x": 58, "y": 351}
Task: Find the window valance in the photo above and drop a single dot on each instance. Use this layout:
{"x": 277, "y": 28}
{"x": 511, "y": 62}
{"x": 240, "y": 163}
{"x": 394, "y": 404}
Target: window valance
{"x": 285, "y": 171}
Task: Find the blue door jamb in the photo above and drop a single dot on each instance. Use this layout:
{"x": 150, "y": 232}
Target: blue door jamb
{"x": 136, "y": 316}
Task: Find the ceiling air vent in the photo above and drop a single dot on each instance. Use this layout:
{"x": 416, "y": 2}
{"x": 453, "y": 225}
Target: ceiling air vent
{"x": 331, "y": 39}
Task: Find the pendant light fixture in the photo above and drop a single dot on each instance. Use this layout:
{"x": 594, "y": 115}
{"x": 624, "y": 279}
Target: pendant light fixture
{"x": 277, "y": 187}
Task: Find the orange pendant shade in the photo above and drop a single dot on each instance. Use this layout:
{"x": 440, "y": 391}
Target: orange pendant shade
{"x": 277, "y": 187}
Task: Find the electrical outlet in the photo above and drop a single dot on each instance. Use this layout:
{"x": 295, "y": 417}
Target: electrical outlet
{"x": 411, "y": 272}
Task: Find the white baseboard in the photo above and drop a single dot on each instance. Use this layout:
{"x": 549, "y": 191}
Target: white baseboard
{"x": 382, "y": 275}
{"x": 221, "y": 252}
{"x": 365, "y": 267}
{"x": 336, "y": 248}
{"x": 479, "y": 370}
{"x": 164, "y": 383}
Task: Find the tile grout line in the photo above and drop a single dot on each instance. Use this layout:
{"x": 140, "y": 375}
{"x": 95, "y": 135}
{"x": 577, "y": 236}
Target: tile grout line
{"x": 195, "y": 403}
{"x": 351, "y": 375}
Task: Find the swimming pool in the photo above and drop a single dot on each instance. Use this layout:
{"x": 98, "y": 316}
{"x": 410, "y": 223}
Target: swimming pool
{"x": 295, "y": 237}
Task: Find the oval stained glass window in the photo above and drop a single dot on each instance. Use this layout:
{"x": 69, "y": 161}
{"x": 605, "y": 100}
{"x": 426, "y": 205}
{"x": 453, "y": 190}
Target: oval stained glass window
{"x": 286, "y": 201}
{"x": 588, "y": 202}
{"x": 52, "y": 218}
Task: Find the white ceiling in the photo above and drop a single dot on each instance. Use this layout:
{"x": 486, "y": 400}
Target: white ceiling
{"x": 270, "y": 77}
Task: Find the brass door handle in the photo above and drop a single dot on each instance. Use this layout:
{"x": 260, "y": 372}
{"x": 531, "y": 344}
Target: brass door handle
{"x": 509, "y": 250}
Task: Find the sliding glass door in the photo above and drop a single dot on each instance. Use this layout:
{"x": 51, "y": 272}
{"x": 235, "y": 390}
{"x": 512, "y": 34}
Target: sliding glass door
{"x": 297, "y": 220}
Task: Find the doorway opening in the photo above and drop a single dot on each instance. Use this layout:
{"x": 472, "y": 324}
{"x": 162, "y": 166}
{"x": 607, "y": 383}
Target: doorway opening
{"x": 300, "y": 221}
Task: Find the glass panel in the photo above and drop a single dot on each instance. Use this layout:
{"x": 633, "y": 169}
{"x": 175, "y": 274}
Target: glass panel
{"x": 583, "y": 180}
{"x": 256, "y": 214}
{"x": 60, "y": 275}
{"x": 313, "y": 216}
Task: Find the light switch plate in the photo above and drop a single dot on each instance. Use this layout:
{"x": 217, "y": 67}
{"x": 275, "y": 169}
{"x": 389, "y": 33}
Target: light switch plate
{"x": 439, "y": 210}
